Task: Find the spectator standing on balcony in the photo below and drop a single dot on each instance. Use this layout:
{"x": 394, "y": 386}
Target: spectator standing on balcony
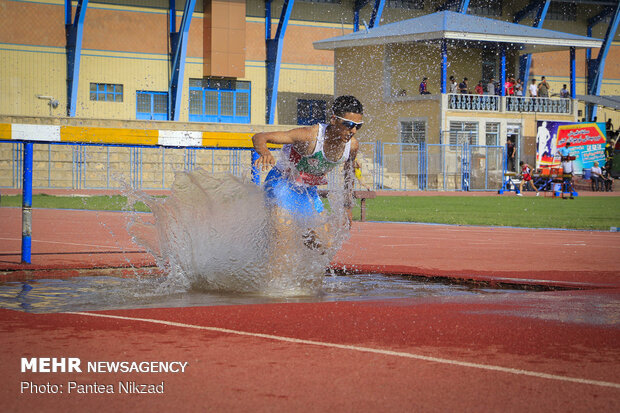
{"x": 519, "y": 88}
{"x": 498, "y": 88}
{"x": 533, "y": 89}
{"x": 423, "y": 89}
{"x": 463, "y": 88}
{"x": 564, "y": 93}
{"x": 479, "y": 89}
{"x": 491, "y": 87}
{"x": 510, "y": 86}
{"x": 454, "y": 87}
{"x": 543, "y": 88}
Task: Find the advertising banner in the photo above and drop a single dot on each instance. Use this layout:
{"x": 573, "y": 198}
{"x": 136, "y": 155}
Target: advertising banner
{"x": 587, "y": 141}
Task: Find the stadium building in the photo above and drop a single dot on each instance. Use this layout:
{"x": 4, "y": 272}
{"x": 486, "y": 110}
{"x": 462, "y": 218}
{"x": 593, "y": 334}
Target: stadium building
{"x": 238, "y": 66}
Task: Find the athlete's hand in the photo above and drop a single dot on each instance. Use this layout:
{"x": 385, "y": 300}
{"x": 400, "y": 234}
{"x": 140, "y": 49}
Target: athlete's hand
{"x": 264, "y": 162}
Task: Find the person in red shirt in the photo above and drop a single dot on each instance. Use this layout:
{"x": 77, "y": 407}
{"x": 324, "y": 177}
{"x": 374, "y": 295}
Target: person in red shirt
{"x": 479, "y": 88}
{"x": 510, "y": 86}
{"x": 526, "y": 176}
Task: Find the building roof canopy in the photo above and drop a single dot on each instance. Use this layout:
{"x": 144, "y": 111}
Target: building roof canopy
{"x": 457, "y": 28}
{"x": 612, "y": 101}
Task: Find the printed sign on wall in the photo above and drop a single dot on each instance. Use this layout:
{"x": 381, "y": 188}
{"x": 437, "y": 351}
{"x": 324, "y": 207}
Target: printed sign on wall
{"x": 587, "y": 143}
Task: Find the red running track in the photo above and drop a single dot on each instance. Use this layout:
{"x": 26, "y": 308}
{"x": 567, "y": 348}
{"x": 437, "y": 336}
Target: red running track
{"x": 534, "y": 351}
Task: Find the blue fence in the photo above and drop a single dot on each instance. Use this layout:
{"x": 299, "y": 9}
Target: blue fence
{"x": 106, "y": 166}
{"x": 432, "y": 167}
{"x": 388, "y": 166}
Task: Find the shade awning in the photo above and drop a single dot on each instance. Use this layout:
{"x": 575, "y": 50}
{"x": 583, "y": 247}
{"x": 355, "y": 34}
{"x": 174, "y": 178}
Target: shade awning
{"x": 612, "y": 102}
{"x": 459, "y": 27}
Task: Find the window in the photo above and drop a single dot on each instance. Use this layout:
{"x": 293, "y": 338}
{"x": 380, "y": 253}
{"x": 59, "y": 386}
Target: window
{"x": 310, "y": 112}
{"x": 406, "y": 4}
{"x": 106, "y": 92}
{"x": 562, "y": 11}
{"x": 463, "y": 132}
{"x": 219, "y": 100}
{"x": 151, "y": 105}
{"x": 492, "y": 133}
{"x": 412, "y": 132}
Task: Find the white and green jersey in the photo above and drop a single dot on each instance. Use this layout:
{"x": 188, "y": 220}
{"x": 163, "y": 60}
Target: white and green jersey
{"x": 310, "y": 169}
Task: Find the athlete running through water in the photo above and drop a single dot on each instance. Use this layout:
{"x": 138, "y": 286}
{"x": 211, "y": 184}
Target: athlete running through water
{"x": 308, "y": 154}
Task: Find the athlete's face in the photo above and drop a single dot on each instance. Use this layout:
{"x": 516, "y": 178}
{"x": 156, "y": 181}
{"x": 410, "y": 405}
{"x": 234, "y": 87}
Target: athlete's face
{"x": 347, "y": 125}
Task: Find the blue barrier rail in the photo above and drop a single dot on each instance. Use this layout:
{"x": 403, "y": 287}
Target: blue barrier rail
{"x": 394, "y": 166}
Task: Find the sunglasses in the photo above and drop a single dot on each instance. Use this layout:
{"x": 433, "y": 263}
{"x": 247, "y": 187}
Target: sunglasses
{"x": 350, "y": 124}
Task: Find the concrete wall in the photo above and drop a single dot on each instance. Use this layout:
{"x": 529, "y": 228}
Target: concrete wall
{"x": 126, "y": 42}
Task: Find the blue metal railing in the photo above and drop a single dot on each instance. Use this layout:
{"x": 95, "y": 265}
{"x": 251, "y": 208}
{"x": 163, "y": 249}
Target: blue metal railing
{"x": 390, "y": 166}
{"x": 493, "y": 103}
{"x": 473, "y": 102}
{"x": 545, "y": 105}
{"x": 87, "y": 169}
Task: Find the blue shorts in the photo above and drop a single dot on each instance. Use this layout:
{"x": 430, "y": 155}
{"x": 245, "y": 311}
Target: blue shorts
{"x": 300, "y": 200}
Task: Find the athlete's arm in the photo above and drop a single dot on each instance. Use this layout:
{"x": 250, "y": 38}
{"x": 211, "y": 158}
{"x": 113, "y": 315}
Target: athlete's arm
{"x": 300, "y": 137}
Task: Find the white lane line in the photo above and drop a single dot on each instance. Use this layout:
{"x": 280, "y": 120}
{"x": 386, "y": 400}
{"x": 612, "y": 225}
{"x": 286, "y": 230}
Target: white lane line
{"x": 64, "y": 243}
{"x": 366, "y": 350}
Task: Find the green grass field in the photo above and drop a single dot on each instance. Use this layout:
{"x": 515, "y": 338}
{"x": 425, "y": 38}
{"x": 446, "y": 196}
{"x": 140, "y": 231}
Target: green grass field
{"x": 533, "y": 212}
{"x": 581, "y": 213}
{"x": 94, "y": 203}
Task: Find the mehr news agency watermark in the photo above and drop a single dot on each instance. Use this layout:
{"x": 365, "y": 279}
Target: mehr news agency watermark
{"x": 75, "y": 365}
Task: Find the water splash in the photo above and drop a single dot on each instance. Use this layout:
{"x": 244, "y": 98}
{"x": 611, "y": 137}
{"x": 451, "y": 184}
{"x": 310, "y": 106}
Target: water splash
{"x": 217, "y": 233}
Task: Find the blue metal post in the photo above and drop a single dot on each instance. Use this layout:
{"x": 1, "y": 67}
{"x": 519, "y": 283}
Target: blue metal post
{"x": 463, "y": 6}
{"x": 73, "y": 32}
{"x": 573, "y": 81}
{"x": 255, "y": 170}
{"x": 173, "y": 17}
{"x": 444, "y": 65}
{"x": 377, "y": 11}
{"x": 68, "y": 12}
{"x": 356, "y": 13}
{"x": 27, "y": 204}
{"x": 502, "y": 69}
{"x": 595, "y": 78}
{"x": 422, "y": 156}
{"x": 274, "y": 59}
{"x": 267, "y": 19}
{"x": 589, "y": 50}
{"x": 178, "y": 43}
{"x": 605, "y": 12}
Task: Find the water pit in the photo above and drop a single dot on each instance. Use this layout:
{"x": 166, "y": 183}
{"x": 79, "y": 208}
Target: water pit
{"x": 92, "y": 293}
{"x": 217, "y": 241}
